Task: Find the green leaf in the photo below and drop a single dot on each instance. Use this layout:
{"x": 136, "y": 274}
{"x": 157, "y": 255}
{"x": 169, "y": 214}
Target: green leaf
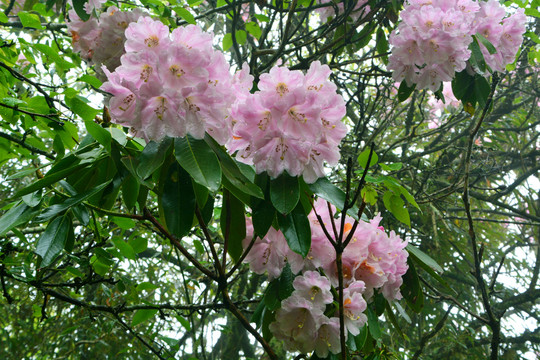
{"x": 184, "y": 14}
{"x": 233, "y": 223}
{"x": 364, "y": 156}
{"x": 271, "y": 296}
{"x": 405, "y": 91}
{"x": 130, "y": 191}
{"x": 49, "y": 179}
{"x": 3, "y": 17}
{"x": 328, "y": 191}
{"x": 227, "y": 42}
{"x": 234, "y": 178}
{"x": 152, "y": 157}
{"x": 13, "y": 217}
{"x": 254, "y": 29}
{"x": 395, "y": 204}
{"x": 284, "y": 193}
{"x": 79, "y": 6}
{"x": 361, "y": 338}
{"x": 382, "y": 44}
{"x": 32, "y": 199}
{"x": 55, "y": 209}
{"x": 262, "y": 18}
{"x": 424, "y": 258}
{"x": 477, "y": 58}
{"x": 102, "y": 136}
{"x": 373, "y": 324}
{"x": 53, "y": 55}
{"x": 138, "y": 244}
{"x": 392, "y": 317}
{"x": 91, "y": 80}
{"x": 143, "y": 315}
{"x": 241, "y": 37}
{"x": 286, "y": 279}
{"x": 53, "y": 239}
{"x": 198, "y": 159}
{"x": 489, "y": 46}
{"x": 178, "y": 201}
{"x": 30, "y": 20}
{"x": 296, "y": 229}
{"x": 125, "y": 249}
{"x": 482, "y": 90}
{"x": 411, "y": 289}
{"x": 262, "y": 216}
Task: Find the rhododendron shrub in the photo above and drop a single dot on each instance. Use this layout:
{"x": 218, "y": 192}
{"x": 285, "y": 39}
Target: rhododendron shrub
{"x": 373, "y": 261}
{"x": 433, "y": 40}
{"x": 267, "y": 192}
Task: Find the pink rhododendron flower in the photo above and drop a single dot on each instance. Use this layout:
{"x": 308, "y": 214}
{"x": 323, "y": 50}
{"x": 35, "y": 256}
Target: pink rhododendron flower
{"x": 360, "y": 9}
{"x": 296, "y": 323}
{"x": 354, "y": 306}
{"x": 182, "y": 85}
{"x": 101, "y": 41}
{"x": 432, "y": 41}
{"x": 314, "y": 287}
{"x": 271, "y": 253}
{"x": 293, "y": 123}
{"x": 328, "y": 338}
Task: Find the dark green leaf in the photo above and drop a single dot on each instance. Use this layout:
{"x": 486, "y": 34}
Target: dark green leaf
{"x": 373, "y": 324}
{"x": 411, "y": 290}
{"x": 79, "y": 6}
{"x": 130, "y": 191}
{"x": 382, "y": 44}
{"x": 405, "y": 91}
{"x": 233, "y": 224}
{"x": 53, "y": 239}
{"x": 55, "y": 209}
{"x": 13, "y": 217}
{"x": 49, "y": 179}
{"x": 423, "y": 258}
{"x": 178, "y": 201}
{"x": 286, "y": 282}
{"x": 198, "y": 159}
{"x": 152, "y": 157}
{"x": 296, "y": 229}
{"x": 32, "y": 199}
{"x": 284, "y": 193}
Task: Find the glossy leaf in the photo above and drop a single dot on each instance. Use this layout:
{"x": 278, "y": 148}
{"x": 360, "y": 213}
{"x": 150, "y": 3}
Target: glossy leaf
{"x": 198, "y": 159}
{"x": 284, "y": 193}
{"x": 296, "y": 229}
{"x": 233, "y": 224}
{"x": 152, "y": 157}
{"x": 178, "y": 201}
{"x": 55, "y": 209}
{"x": 53, "y": 239}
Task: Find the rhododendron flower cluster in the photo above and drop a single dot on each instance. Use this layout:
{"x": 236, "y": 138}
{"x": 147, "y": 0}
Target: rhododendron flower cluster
{"x": 293, "y": 123}
{"x": 359, "y": 9}
{"x": 372, "y": 261}
{"x": 173, "y": 84}
{"x": 101, "y": 41}
{"x": 431, "y": 43}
